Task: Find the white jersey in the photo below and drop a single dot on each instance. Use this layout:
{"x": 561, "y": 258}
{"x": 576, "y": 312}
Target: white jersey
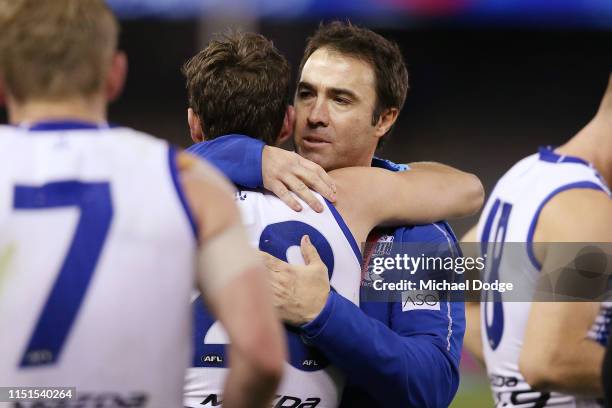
{"x": 309, "y": 380}
{"x": 96, "y": 265}
{"x": 510, "y": 216}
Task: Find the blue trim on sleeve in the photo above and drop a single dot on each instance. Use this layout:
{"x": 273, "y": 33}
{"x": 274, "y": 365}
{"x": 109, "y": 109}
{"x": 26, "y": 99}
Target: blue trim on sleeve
{"x": 179, "y": 189}
{"x": 534, "y": 220}
{"x": 345, "y": 229}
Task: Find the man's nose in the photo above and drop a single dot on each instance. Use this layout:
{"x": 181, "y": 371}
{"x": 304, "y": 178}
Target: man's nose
{"x": 319, "y": 114}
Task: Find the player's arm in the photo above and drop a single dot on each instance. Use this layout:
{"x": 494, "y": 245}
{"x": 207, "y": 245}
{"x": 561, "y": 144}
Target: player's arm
{"x": 454, "y": 193}
{"x": 233, "y": 283}
{"x": 472, "y": 340}
{"x": 368, "y": 196}
{"x": 556, "y": 354}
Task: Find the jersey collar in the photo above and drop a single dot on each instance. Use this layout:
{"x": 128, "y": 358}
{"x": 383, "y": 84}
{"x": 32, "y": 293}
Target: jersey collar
{"x": 55, "y": 125}
{"x": 548, "y": 154}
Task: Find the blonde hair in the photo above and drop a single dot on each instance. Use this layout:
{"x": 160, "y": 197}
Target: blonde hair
{"x": 54, "y": 49}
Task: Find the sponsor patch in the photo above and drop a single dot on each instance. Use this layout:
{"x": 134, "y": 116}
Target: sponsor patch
{"x": 420, "y": 300}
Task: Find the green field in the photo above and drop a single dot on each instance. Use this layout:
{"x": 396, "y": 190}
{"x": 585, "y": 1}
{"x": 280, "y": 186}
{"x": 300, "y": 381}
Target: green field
{"x": 473, "y": 392}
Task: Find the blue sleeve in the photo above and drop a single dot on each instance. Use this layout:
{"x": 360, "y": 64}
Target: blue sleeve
{"x": 236, "y": 156}
{"x": 400, "y": 358}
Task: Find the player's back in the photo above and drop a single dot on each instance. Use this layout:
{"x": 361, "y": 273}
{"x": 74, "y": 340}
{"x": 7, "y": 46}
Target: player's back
{"x": 275, "y": 228}
{"x": 96, "y": 264}
{"x": 506, "y": 230}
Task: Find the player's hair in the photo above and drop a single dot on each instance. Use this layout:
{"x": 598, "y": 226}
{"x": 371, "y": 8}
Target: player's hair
{"x": 53, "y": 49}
{"x": 239, "y": 83}
{"x": 383, "y": 55}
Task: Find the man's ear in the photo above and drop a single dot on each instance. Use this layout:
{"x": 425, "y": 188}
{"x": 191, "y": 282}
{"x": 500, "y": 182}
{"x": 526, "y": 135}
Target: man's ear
{"x": 288, "y": 124}
{"x": 195, "y": 127}
{"x": 385, "y": 121}
{"x": 116, "y": 76}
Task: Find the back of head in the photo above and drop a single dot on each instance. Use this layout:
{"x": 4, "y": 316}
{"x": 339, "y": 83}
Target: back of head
{"x": 239, "y": 83}
{"x": 55, "y": 49}
{"x": 383, "y": 55}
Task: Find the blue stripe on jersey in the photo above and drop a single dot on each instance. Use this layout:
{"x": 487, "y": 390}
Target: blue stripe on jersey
{"x": 179, "y": 189}
{"x": 548, "y": 155}
{"x": 486, "y": 231}
{"x": 65, "y": 125}
{"x": 534, "y": 220}
{"x": 345, "y": 229}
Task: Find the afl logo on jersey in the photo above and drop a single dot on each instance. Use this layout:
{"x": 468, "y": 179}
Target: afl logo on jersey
{"x": 213, "y": 359}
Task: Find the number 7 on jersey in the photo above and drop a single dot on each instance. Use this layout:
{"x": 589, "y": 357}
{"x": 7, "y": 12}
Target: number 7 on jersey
{"x": 68, "y": 291}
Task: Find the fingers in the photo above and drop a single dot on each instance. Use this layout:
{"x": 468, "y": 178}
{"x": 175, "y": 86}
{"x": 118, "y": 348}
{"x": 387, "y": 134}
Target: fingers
{"x": 309, "y": 252}
{"x": 279, "y": 190}
{"x": 298, "y": 187}
{"x": 285, "y": 172}
{"x": 316, "y": 178}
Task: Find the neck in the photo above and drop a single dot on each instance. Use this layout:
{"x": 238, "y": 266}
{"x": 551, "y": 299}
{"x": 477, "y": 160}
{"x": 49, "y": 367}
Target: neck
{"x": 594, "y": 144}
{"x": 81, "y": 109}
{"x": 366, "y": 159}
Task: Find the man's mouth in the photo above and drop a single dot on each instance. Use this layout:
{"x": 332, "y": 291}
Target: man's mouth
{"x": 314, "y": 141}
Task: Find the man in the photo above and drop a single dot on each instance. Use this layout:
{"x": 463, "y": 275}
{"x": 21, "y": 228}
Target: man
{"x": 98, "y": 254}
{"x": 549, "y": 353}
{"x": 352, "y": 86}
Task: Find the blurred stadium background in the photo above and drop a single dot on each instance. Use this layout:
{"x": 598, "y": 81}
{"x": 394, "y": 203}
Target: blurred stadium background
{"x": 490, "y": 79}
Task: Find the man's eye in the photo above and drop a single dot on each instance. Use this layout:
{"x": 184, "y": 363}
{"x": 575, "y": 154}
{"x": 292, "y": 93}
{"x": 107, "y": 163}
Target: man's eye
{"x": 304, "y": 94}
{"x": 342, "y": 101}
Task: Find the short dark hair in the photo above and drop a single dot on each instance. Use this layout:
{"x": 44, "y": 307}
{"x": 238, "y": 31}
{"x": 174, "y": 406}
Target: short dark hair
{"x": 239, "y": 83}
{"x": 383, "y": 55}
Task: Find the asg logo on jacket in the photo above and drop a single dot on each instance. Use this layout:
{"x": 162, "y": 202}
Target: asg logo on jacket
{"x": 420, "y": 300}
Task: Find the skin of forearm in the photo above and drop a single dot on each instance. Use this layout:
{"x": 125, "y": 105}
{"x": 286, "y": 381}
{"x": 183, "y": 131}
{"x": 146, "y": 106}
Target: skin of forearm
{"x": 572, "y": 370}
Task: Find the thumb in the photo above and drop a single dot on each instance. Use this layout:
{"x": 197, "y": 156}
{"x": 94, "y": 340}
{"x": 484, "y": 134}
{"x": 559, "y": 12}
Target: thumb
{"x": 309, "y": 252}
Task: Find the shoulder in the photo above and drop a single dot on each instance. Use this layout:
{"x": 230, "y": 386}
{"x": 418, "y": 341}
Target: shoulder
{"x": 198, "y": 148}
{"x": 578, "y": 214}
{"x": 429, "y": 238}
{"x": 131, "y": 139}
{"x": 439, "y": 231}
